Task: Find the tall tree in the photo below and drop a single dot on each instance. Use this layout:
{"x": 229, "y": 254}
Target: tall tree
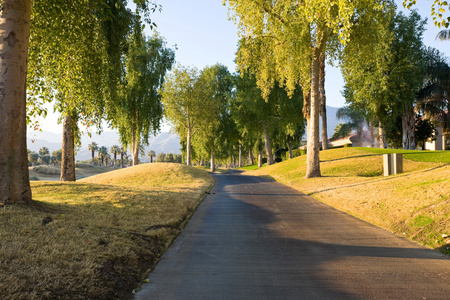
{"x": 14, "y": 31}
{"x": 215, "y": 86}
{"x": 93, "y": 147}
{"x": 151, "y": 154}
{"x": 438, "y": 9}
{"x": 284, "y": 41}
{"x": 114, "y": 150}
{"x": 182, "y": 104}
{"x": 140, "y": 112}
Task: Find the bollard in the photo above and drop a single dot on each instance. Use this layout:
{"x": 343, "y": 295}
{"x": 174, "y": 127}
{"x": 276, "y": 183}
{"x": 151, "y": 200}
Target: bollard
{"x": 387, "y": 165}
{"x": 392, "y": 164}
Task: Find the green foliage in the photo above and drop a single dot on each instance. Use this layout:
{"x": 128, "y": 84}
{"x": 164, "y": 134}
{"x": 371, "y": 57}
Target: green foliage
{"x": 140, "y": 112}
{"x": 438, "y": 9}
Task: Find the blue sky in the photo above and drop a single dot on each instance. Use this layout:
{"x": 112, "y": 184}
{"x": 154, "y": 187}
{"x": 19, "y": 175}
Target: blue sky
{"x": 204, "y": 36}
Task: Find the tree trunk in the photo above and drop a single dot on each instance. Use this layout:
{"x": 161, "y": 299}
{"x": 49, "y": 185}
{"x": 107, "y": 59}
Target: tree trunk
{"x": 121, "y": 160}
{"x": 213, "y": 161}
{"x": 135, "y": 148}
{"x": 251, "y": 159}
{"x": 408, "y": 126}
{"x": 381, "y": 135}
{"x": 289, "y": 143}
{"x": 15, "y": 33}
{"x": 202, "y": 162}
{"x": 68, "y": 150}
{"x": 240, "y": 155}
{"x": 188, "y": 147}
{"x": 268, "y": 146}
{"x": 323, "y": 102}
{"x": 93, "y": 156}
{"x": 115, "y": 158}
{"x": 313, "y": 159}
{"x": 260, "y": 154}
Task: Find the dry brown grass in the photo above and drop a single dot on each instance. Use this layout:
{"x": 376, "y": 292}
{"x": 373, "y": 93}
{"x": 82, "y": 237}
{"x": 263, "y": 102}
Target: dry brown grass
{"x": 415, "y": 204}
{"x": 96, "y": 238}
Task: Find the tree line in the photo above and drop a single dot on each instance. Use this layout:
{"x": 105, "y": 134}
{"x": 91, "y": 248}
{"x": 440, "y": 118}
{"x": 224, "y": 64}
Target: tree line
{"x": 91, "y": 60}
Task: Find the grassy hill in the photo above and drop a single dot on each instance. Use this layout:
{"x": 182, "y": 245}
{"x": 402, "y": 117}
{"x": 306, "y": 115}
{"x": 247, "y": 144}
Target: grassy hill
{"x": 415, "y": 204}
{"x": 96, "y": 238}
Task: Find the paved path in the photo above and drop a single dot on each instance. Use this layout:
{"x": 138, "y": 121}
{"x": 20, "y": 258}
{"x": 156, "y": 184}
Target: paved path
{"x": 256, "y": 239}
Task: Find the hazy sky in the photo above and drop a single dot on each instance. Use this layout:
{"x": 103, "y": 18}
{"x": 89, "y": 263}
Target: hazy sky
{"x": 204, "y": 36}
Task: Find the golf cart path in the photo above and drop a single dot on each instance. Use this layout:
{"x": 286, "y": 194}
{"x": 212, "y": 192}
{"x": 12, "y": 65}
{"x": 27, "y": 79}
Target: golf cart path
{"x": 253, "y": 238}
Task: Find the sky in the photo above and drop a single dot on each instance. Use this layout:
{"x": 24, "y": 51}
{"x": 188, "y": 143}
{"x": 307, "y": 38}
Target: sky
{"x": 204, "y": 36}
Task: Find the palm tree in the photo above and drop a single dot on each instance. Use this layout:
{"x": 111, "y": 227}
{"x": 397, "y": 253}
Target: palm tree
{"x": 114, "y": 150}
{"x": 434, "y": 97}
{"x": 443, "y": 35}
{"x": 44, "y": 151}
{"x": 33, "y": 157}
{"x": 102, "y": 152}
{"x": 122, "y": 152}
{"x": 151, "y": 154}
{"x": 355, "y": 120}
{"x": 93, "y": 147}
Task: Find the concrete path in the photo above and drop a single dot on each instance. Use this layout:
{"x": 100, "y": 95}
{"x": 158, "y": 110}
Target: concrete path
{"x": 256, "y": 239}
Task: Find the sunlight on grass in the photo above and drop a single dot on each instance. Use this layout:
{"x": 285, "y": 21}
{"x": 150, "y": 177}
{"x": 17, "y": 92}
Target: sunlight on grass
{"x": 352, "y": 181}
{"x": 98, "y": 237}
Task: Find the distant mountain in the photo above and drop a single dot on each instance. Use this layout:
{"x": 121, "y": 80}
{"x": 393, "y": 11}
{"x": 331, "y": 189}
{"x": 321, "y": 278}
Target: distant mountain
{"x": 163, "y": 142}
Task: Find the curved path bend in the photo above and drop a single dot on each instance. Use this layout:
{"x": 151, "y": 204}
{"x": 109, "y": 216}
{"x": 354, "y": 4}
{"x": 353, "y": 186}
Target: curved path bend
{"x": 252, "y": 238}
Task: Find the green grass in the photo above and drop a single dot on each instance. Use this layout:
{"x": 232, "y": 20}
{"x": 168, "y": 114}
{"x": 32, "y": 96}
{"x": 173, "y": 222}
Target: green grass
{"x": 96, "y": 238}
{"x": 249, "y": 167}
{"x": 414, "y": 155}
{"x": 415, "y": 204}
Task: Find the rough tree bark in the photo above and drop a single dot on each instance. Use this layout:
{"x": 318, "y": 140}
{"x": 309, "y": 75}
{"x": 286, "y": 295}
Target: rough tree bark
{"x": 260, "y": 155}
{"x": 268, "y": 146}
{"x": 15, "y": 33}
{"x": 289, "y": 143}
{"x": 68, "y": 150}
{"x": 135, "y": 147}
{"x": 408, "y": 128}
{"x": 313, "y": 160}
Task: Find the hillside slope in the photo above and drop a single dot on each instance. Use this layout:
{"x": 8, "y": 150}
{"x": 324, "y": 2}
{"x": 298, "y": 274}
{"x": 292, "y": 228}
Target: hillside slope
{"x": 96, "y": 238}
{"x": 415, "y": 204}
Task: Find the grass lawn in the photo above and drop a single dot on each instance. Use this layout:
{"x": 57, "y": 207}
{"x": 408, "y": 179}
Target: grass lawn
{"x": 415, "y": 204}
{"x": 96, "y": 238}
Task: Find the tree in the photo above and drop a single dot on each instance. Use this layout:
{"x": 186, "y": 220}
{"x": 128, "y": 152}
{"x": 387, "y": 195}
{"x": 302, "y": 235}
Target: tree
{"x": 438, "y": 9}
{"x": 284, "y": 40}
{"x": 355, "y": 121}
{"x": 45, "y": 159}
{"x": 114, "y": 150}
{"x": 140, "y": 112}
{"x": 341, "y": 131}
{"x": 44, "y": 151}
{"x": 33, "y": 157}
{"x": 182, "y": 104}
{"x": 433, "y": 97}
{"x": 123, "y": 153}
{"x": 215, "y": 89}
{"x": 58, "y": 155}
{"x": 161, "y": 157}
{"x": 15, "y": 30}
{"x": 424, "y": 130}
{"x": 151, "y": 154}
{"x": 93, "y": 147}
{"x": 443, "y": 35}
{"x": 103, "y": 153}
